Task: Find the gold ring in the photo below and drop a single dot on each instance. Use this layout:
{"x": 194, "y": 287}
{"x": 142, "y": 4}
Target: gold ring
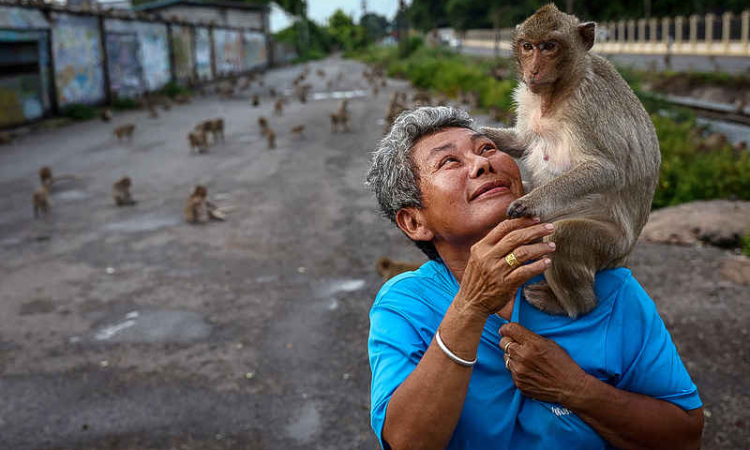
{"x": 507, "y": 364}
{"x": 506, "y": 347}
{"x": 512, "y": 261}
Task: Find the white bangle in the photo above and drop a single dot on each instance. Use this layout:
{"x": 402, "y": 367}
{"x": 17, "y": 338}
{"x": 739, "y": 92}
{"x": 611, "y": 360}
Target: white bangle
{"x": 451, "y": 355}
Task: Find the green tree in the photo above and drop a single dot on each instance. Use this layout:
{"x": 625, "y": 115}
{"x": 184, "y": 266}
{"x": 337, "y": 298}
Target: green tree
{"x": 375, "y": 26}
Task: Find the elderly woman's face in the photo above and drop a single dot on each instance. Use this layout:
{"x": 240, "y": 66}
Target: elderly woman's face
{"x": 466, "y": 183}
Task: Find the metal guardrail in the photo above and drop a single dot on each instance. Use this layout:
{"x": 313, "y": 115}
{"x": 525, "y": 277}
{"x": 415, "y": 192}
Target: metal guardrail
{"x": 709, "y": 35}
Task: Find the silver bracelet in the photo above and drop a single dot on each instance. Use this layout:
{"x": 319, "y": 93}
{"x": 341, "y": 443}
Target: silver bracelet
{"x": 449, "y": 354}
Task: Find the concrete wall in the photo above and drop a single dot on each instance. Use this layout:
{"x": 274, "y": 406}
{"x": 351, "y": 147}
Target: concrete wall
{"x": 77, "y": 50}
{"x": 221, "y": 17}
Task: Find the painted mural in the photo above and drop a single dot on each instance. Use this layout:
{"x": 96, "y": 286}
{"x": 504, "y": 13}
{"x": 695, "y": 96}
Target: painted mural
{"x": 21, "y": 18}
{"x": 254, "y": 50}
{"x": 125, "y": 71}
{"x": 203, "y": 53}
{"x": 182, "y": 46}
{"x": 154, "y": 54}
{"x": 79, "y": 74}
{"x": 228, "y": 48}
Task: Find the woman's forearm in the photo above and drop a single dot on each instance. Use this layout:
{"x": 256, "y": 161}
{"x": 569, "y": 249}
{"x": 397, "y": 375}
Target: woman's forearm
{"x": 633, "y": 421}
{"x": 425, "y": 409}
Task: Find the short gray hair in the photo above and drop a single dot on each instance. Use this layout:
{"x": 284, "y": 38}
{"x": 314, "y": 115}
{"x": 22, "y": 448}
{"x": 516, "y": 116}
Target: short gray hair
{"x": 393, "y": 176}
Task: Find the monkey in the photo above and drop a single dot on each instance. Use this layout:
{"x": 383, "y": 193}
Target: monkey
{"x": 396, "y": 105}
{"x": 45, "y": 176}
{"x": 329, "y": 85}
{"x": 40, "y": 201}
{"x": 278, "y": 108}
{"x": 182, "y": 99}
{"x": 340, "y": 118}
{"x": 213, "y": 126}
{"x": 106, "y": 115}
{"x": 321, "y": 73}
{"x": 5, "y": 138}
{"x": 714, "y": 141}
{"x": 121, "y": 192}
{"x": 422, "y": 98}
{"x": 302, "y": 91}
{"x": 590, "y": 151}
{"x": 196, "y": 207}
{"x": 198, "y": 139}
{"x": 271, "y": 137}
{"x": 375, "y": 90}
{"x": 152, "y": 113}
{"x": 298, "y": 130}
{"x": 166, "y": 104}
{"x": 256, "y": 100}
{"x": 124, "y": 131}
{"x": 383, "y": 82}
{"x": 272, "y": 92}
{"x": 263, "y": 123}
{"x": 389, "y": 268}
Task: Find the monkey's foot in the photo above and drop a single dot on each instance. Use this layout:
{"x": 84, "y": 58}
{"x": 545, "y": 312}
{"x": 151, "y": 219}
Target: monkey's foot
{"x": 521, "y": 208}
{"x": 541, "y": 296}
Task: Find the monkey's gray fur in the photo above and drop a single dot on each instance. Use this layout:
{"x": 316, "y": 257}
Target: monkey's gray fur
{"x": 591, "y": 154}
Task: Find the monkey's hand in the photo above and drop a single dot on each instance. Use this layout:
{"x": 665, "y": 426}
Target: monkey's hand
{"x": 526, "y": 206}
{"x": 506, "y": 140}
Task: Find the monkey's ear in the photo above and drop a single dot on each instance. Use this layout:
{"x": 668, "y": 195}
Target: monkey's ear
{"x": 411, "y": 222}
{"x": 588, "y": 34}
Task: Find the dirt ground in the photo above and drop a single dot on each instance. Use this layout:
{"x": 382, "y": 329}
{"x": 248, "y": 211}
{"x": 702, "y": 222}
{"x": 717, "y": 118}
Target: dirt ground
{"x": 125, "y": 328}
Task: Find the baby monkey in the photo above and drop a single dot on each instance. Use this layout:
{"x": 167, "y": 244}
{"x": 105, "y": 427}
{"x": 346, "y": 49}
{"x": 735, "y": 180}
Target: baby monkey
{"x": 121, "y": 192}
{"x": 589, "y": 149}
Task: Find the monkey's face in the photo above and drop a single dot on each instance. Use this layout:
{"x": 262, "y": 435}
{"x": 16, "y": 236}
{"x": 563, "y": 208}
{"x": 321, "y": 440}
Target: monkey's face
{"x": 466, "y": 185}
{"x": 200, "y": 191}
{"x": 539, "y": 61}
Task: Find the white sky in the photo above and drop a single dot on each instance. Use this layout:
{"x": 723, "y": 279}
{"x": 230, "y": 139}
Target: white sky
{"x": 321, "y": 10}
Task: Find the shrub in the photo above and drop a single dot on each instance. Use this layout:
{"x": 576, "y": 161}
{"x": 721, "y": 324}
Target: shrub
{"x": 121, "y": 103}
{"x": 745, "y": 244}
{"x": 173, "y": 89}
{"x": 79, "y": 111}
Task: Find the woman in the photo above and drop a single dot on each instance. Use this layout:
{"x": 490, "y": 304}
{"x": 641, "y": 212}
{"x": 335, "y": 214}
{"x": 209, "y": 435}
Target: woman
{"x": 459, "y": 360}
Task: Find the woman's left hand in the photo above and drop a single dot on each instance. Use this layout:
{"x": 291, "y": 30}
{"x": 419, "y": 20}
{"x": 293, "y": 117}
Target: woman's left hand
{"x": 541, "y": 369}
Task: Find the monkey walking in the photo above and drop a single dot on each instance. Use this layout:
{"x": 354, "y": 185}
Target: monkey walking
{"x": 198, "y": 140}
{"x": 47, "y": 180}
{"x": 213, "y": 126}
{"x": 389, "y": 268}
{"x": 270, "y": 136}
{"x": 589, "y": 149}
{"x": 106, "y": 115}
{"x": 340, "y": 120}
{"x": 124, "y": 131}
{"x": 278, "y": 107}
{"x": 121, "y": 192}
{"x": 256, "y": 100}
{"x": 298, "y": 130}
{"x": 40, "y": 201}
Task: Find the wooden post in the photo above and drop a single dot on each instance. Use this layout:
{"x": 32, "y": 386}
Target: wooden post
{"x": 745, "y": 29}
{"x": 710, "y": 28}
{"x": 665, "y": 22}
{"x": 678, "y": 25}
{"x": 642, "y": 32}
{"x": 105, "y": 62}
{"x": 621, "y": 32}
{"x": 652, "y": 25}
{"x": 726, "y": 29}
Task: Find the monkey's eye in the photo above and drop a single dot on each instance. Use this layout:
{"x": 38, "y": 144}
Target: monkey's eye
{"x": 527, "y": 46}
{"x": 549, "y": 46}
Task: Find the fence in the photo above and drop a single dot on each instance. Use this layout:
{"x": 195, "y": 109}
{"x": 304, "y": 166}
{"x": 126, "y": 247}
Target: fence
{"x": 52, "y": 57}
{"x": 709, "y": 35}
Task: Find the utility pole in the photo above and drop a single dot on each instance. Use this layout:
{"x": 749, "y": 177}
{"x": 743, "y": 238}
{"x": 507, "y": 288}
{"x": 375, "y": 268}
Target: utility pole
{"x": 364, "y": 7}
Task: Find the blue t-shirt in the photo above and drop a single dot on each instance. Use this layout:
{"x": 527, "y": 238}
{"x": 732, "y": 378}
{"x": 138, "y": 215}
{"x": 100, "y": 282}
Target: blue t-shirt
{"x": 623, "y": 342}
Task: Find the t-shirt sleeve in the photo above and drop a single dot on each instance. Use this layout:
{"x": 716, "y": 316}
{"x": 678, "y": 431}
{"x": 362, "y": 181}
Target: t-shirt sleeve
{"x": 396, "y": 345}
{"x": 640, "y": 352}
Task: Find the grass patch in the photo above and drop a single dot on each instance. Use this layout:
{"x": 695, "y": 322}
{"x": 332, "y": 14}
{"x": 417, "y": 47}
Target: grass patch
{"x": 173, "y": 89}
{"x": 124, "y": 103}
{"x": 79, "y": 112}
{"x": 745, "y": 244}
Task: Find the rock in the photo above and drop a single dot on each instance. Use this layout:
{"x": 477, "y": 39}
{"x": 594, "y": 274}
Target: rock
{"x": 736, "y": 270}
{"x": 716, "y": 222}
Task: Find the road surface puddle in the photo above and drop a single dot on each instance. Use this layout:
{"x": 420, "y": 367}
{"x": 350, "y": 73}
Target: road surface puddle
{"x": 306, "y": 423}
{"x": 145, "y": 223}
{"x": 334, "y": 287}
{"x": 339, "y": 94}
{"x": 70, "y": 195}
{"x": 152, "y": 326}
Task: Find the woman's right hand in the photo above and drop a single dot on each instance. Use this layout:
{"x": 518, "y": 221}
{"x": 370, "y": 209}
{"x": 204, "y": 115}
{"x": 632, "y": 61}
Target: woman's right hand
{"x": 489, "y": 282}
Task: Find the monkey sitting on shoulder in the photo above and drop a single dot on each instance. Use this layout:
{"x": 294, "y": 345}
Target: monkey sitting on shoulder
{"x": 389, "y": 268}
{"x": 121, "y": 192}
{"x": 590, "y": 150}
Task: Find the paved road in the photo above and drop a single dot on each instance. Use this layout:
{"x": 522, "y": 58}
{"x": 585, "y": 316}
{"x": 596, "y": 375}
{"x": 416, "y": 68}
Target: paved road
{"x": 128, "y": 329}
{"x": 728, "y": 64}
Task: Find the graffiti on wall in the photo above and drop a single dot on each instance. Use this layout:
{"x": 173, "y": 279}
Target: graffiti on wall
{"x": 182, "y": 46}
{"x": 154, "y": 54}
{"x": 228, "y": 48}
{"x": 254, "y": 50}
{"x": 21, "y": 18}
{"x": 203, "y": 53}
{"x": 79, "y": 74}
{"x": 125, "y": 72}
